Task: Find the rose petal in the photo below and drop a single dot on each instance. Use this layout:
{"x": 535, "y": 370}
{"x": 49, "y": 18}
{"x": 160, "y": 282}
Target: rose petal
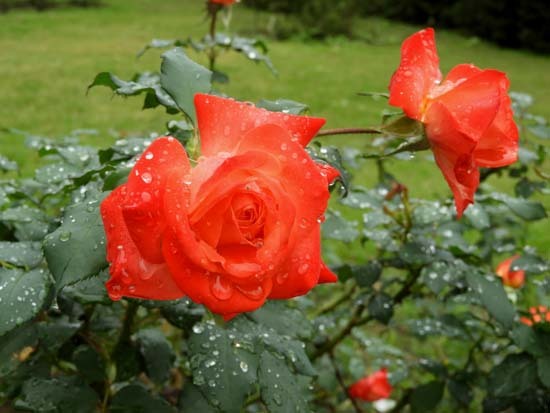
{"x": 499, "y": 144}
{"x": 131, "y": 274}
{"x": 473, "y": 103}
{"x": 416, "y": 75}
{"x": 326, "y": 275}
{"x": 453, "y": 152}
{"x": 214, "y": 290}
{"x": 302, "y": 270}
{"x": 224, "y": 122}
{"x": 142, "y": 205}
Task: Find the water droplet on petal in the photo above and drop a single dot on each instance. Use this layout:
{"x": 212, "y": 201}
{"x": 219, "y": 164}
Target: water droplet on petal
{"x": 254, "y": 293}
{"x": 149, "y": 155}
{"x": 146, "y": 177}
{"x": 115, "y": 292}
{"x": 281, "y": 278}
{"x": 303, "y": 268}
{"x": 145, "y": 196}
{"x": 221, "y": 288}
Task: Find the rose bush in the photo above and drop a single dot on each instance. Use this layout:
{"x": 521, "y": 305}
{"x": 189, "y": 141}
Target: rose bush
{"x": 467, "y": 116}
{"x": 240, "y": 226}
{"x": 233, "y": 225}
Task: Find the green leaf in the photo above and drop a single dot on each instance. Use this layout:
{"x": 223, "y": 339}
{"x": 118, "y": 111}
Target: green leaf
{"x": 162, "y": 44}
{"x": 283, "y": 319}
{"x": 22, "y": 296}
{"x": 89, "y": 291}
{"x": 541, "y": 131}
{"x": 283, "y": 105}
{"x": 157, "y": 352}
{"x": 148, "y": 83}
{"x": 362, "y": 199}
{"x": 250, "y": 48}
{"x": 491, "y": 293}
{"x": 137, "y": 399}
{"x": 514, "y": 375}
{"x": 222, "y": 375}
{"x": 278, "y": 386}
{"x": 7, "y": 165}
{"x": 182, "y": 313}
{"x": 419, "y": 252}
{"x": 535, "y": 342}
{"x": 192, "y": 400}
{"x": 366, "y": 275}
{"x": 30, "y": 224}
{"x": 530, "y": 264}
{"x": 527, "y": 210}
{"x": 543, "y": 368}
{"x": 57, "y": 331}
{"x": 12, "y": 344}
{"x": 331, "y": 155}
{"x": 256, "y": 337}
{"x": 21, "y": 254}
{"x": 59, "y": 395}
{"x": 76, "y": 250}
{"x": 182, "y": 78}
{"x": 404, "y": 126}
{"x": 427, "y": 396}
{"x": 461, "y": 391}
{"x": 89, "y": 364}
{"x": 478, "y": 216}
{"x": 381, "y": 307}
{"x": 338, "y": 228}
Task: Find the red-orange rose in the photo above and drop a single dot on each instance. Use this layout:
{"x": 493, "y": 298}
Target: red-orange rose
{"x": 514, "y": 279}
{"x": 223, "y": 2}
{"x": 467, "y": 116}
{"x": 241, "y": 226}
{"x": 373, "y": 387}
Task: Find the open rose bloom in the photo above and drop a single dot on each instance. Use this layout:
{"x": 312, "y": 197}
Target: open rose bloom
{"x": 467, "y": 115}
{"x": 373, "y": 387}
{"x": 239, "y": 226}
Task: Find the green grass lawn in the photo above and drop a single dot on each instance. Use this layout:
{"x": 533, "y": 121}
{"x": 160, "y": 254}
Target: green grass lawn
{"x": 47, "y": 60}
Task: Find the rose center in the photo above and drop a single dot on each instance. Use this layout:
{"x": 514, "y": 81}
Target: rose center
{"x": 249, "y": 215}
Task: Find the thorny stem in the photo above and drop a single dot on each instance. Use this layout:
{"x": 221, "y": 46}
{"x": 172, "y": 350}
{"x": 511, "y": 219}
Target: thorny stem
{"x": 342, "y": 384}
{"x": 214, "y": 17}
{"x": 353, "y": 322}
{"x": 358, "y": 320}
{"x": 126, "y": 331}
{"x": 123, "y": 340}
{"x": 348, "y": 131}
{"x": 337, "y": 301}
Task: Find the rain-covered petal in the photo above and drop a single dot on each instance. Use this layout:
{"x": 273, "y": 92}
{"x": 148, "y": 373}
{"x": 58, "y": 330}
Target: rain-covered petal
{"x": 131, "y": 274}
{"x": 417, "y": 74}
{"x": 224, "y": 122}
{"x": 453, "y": 152}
